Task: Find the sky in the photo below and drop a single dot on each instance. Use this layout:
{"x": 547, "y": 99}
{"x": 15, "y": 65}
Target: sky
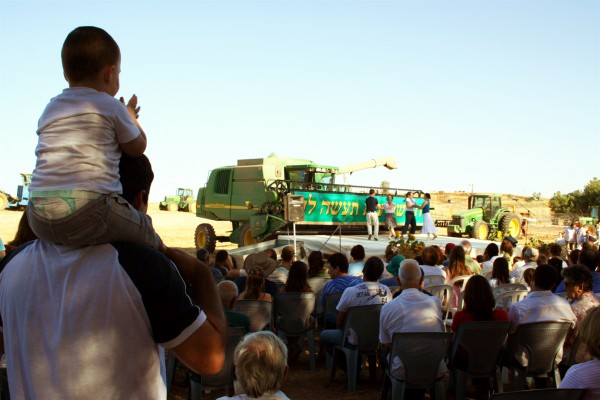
{"x": 486, "y": 95}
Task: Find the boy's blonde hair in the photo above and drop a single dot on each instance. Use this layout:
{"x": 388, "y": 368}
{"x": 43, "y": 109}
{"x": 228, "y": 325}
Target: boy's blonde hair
{"x": 86, "y": 51}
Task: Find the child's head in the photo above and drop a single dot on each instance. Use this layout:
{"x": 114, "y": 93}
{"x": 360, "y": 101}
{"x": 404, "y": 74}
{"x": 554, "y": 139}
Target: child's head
{"x": 89, "y": 53}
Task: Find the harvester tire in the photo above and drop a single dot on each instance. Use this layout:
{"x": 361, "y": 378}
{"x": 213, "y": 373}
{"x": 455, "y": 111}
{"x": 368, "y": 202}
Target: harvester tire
{"x": 510, "y": 224}
{"x": 3, "y": 201}
{"x": 205, "y": 237}
{"x": 481, "y": 230}
{"x": 173, "y": 206}
{"x": 191, "y": 207}
{"x": 246, "y": 237}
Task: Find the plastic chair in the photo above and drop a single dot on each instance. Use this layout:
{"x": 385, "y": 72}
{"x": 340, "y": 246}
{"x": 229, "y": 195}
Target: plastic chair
{"x": 506, "y": 299}
{"x": 453, "y": 309}
{"x": 481, "y": 342}
{"x": 432, "y": 280}
{"x": 443, "y": 293}
{"x": 294, "y": 316}
{"x": 421, "y": 353}
{"x": 364, "y": 322}
{"x": 541, "y": 342}
{"x": 223, "y": 378}
{"x": 259, "y": 311}
{"x": 331, "y": 302}
{"x": 317, "y": 283}
{"x": 508, "y": 287}
{"x": 541, "y": 394}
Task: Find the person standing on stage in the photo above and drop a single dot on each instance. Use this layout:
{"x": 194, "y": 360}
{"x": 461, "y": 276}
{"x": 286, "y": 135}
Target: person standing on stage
{"x": 410, "y": 215}
{"x": 372, "y": 217}
{"x": 390, "y": 216}
{"x": 428, "y": 224}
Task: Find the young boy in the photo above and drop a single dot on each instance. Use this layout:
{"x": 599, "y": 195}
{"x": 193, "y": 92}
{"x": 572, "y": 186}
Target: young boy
{"x": 75, "y": 185}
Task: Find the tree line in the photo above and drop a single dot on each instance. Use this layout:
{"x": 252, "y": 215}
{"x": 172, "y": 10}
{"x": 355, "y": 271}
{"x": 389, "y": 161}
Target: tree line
{"x": 579, "y": 201}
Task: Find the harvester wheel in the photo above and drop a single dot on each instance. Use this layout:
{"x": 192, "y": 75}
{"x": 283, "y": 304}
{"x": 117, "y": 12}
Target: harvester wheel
{"x": 173, "y": 206}
{"x": 510, "y": 224}
{"x": 246, "y": 237}
{"x": 480, "y": 230}
{"x": 192, "y": 207}
{"x": 205, "y": 237}
{"x": 3, "y": 201}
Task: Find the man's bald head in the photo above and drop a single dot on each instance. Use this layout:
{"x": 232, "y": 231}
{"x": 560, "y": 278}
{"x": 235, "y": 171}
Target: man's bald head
{"x": 228, "y": 292}
{"x": 410, "y": 274}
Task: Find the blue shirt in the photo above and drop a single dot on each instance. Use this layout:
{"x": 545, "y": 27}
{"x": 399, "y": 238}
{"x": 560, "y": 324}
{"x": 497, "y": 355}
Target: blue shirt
{"x": 338, "y": 285}
{"x": 595, "y": 287}
{"x": 426, "y": 208}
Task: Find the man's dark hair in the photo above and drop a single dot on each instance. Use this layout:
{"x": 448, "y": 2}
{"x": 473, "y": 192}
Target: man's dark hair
{"x": 430, "y": 256}
{"x": 491, "y": 250}
{"x": 340, "y": 261}
{"x": 358, "y": 252}
{"x": 373, "y": 269}
{"x": 589, "y": 258}
{"x": 136, "y": 176}
{"x": 202, "y": 255}
{"x": 372, "y": 191}
{"x": 287, "y": 253}
{"x": 221, "y": 256}
{"x": 545, "y": 277}
{"x": 86, "y": 51}
{"x": 555, "y": 250}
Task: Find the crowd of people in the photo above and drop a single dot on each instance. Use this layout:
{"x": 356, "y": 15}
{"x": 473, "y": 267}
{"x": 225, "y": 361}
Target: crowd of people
{"x": 90, "y": 296}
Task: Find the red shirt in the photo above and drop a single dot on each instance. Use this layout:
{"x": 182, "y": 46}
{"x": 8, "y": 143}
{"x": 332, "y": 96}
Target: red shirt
{"x": 464, "y": 316}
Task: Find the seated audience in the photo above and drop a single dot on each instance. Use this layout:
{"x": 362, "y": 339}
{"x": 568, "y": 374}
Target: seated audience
{"x": 316, "y": 265}
{"x": 298, "y": 278}
{"x": 203, "y": 255}
{"x": 430, "y": 262}
{"x": 456, "y": 267}
{"x": 411, "y": 311}
{"x": 469, "y": 261}
{"x": 578, "y": 282}
{"x": 287, "y": 257}
{"x": 274, "y": 275}
{"x": 489, "y": 255}
{"x": 500, "y": 274}
{"x": 392, "y": 269}
{"x": 340, "y": 280}
{"x": 539, "y": 305}
{"x": 365, "y": 293}
{"x": 228, "y": 292}
{"x": 530, "y": 256}
{"x": 223, "y": 262}
{"x": 478, "y": 303}
{"x": 586, "y": 375}
{"x": 358, "y": 260}
{"x": 590, "y": 258}
{"x": 260, "y": 367}
{"x": 255, "y": 286}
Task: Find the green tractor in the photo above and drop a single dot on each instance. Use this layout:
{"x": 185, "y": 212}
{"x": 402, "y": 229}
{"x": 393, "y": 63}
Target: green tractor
{"x": 184, "y": 200}
{"x": 485, "y": 219}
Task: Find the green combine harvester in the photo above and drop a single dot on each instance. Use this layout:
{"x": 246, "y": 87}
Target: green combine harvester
{"x": 256, "y": 196}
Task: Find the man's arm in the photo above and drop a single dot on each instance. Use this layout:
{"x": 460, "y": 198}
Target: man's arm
{"x": 204, "y": 350}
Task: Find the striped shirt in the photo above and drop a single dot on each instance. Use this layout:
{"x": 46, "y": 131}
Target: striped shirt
{"x": 584, "y": 376}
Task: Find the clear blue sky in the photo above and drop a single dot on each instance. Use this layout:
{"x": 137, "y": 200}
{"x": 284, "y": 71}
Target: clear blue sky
{"x": 501, "y": 95}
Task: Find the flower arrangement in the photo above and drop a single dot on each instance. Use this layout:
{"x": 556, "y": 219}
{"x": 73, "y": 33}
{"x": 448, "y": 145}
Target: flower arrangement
{"x": 409, "y": 248}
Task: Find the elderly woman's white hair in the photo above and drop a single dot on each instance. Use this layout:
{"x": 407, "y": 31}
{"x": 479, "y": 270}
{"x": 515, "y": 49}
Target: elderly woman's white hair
{"x": 260, "y": 363}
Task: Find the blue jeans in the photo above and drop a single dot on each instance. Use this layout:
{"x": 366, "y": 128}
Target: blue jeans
{"x": 330, "y": 338}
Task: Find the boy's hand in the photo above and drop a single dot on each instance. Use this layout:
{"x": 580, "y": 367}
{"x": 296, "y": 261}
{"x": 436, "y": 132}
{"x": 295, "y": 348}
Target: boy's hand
{"x": 132, "y": 106}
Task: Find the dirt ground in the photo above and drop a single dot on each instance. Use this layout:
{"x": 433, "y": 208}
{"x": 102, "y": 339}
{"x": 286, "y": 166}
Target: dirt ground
{"x": 177, "y": 230}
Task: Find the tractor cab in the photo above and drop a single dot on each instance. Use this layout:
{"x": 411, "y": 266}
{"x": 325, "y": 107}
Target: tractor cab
{"x": 489, "y": 204}
{"x": 185, "y": 192}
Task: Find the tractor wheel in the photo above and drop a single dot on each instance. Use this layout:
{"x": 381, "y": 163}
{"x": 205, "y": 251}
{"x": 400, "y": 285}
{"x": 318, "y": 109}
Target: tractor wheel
{"x": 161, "y": 207}
{"x": 510, "y": 224}
{"x": 246, "y": 237}
{"x": 173, "y": 206}
{"x": 191, "y": 207}
{"x": 3, "y": 201}
{"x": 205, "y": 237}
{"x": 480, "y": 230}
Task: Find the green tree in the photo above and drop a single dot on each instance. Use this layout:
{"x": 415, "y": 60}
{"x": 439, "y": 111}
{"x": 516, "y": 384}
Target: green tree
{"x": 577, "y": 201}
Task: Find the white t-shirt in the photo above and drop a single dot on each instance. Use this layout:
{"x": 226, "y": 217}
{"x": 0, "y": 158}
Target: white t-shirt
{"x": 78, "y": 147}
